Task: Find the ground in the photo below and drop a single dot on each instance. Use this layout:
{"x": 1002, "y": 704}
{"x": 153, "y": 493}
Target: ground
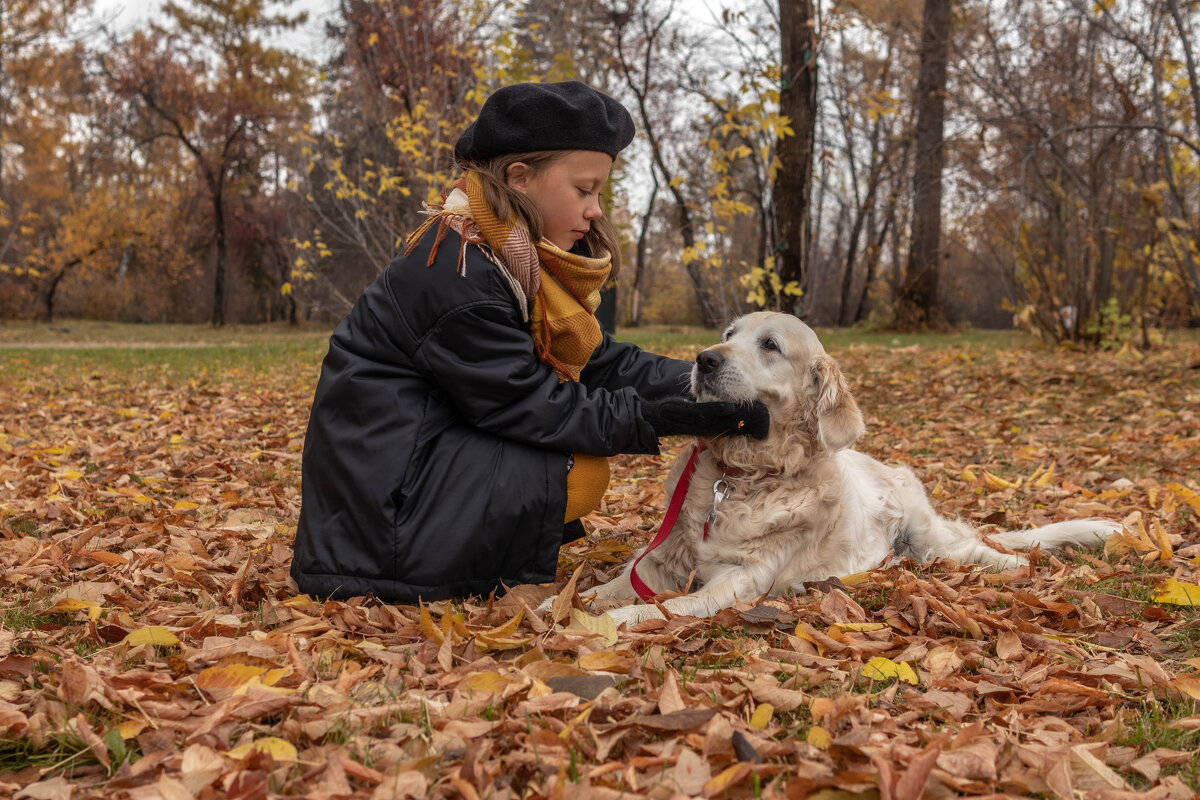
{"x": 151, "y": 646}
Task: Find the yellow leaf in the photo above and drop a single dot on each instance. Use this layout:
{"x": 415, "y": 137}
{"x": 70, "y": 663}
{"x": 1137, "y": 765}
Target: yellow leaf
{"x": 881, "y": 668}
{"x": 156, "y": 635}
{"x": 484, "y": 643}
{"x": 69, "y": 604}
{"x": 968, "y": 475}
{"x": 131, "y": 728}
{"x": 602, "y": 626}
{"x": 1186, "y": 495}
{"x": 276, "y": 748}
{"x": 1163, "y": 541}
{"x": 855, "y": 578}
{"x": 302, "y": 602}
{"x": 819, "y": 737}
{"x": 840, "y": 627}
{"x": 236, "y": 673}
{"x": 430, "y": 630}
{"x": 762, "y": 716}
{"x": 1178, "y": 593}
{"x": 185, "y": 505}
{"x": 1046, "y": 478}
{"x": 1187, "y": 684}
{"x": 507, "y": 629}
{"x": 486, "y": 682}
{"x": 804, "y": 632}
{"x": 996, "y": 483}
{"x": 619, "y": 661}
{"x": 726, "y": 778}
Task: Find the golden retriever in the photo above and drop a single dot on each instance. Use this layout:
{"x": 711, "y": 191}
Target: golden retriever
{"x": 764, "y": 516}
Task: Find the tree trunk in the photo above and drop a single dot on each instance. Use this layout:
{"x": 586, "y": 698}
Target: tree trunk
{"x": 917, "y": 305}
{"x": 218, "y": 309}
{"x": 639, "y": 263}
{"x": 797, "y": 102}
{"x": 1194, "y": 88}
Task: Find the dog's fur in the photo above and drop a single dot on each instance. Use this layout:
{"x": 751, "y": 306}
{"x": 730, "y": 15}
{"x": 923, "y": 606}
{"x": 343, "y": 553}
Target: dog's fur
{"x": 799, "y": 505}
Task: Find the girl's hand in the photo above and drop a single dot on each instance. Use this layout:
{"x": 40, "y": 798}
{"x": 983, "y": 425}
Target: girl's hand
{"x": 675, "y": 416}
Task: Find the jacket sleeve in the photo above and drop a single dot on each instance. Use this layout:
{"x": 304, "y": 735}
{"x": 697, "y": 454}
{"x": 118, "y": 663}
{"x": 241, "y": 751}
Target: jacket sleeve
{"x": 482, "y": 358}
{"x": 616, "y": 365}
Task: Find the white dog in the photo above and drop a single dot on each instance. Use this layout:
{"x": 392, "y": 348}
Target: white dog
{"x": 766, "y": 516}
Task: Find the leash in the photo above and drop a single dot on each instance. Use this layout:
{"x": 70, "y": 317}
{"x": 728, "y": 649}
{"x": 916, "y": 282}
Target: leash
{"x": 668, "y": 523}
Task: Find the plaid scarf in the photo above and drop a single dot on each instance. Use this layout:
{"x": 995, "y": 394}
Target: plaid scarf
{"x": 560, "y": 290}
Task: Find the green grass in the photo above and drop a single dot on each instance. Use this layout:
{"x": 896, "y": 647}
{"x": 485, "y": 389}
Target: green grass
{"x": 78, "y": 348}
{"x": 657, "y": 338}
{"x": 1148, "y": 728}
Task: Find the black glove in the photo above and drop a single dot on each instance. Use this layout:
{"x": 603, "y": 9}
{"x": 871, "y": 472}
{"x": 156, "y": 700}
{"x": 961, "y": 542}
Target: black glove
{"x": 676, "y": 416}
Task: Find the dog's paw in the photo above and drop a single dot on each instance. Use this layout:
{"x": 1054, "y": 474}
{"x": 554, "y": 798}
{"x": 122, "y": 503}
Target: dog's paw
{"x": 632, "y": 615}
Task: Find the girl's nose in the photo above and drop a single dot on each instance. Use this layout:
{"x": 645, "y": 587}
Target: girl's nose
{"x": 594, "y": 211}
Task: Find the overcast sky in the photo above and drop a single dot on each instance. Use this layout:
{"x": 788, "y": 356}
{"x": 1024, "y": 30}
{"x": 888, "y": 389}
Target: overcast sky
{"x": 126, "y": 15}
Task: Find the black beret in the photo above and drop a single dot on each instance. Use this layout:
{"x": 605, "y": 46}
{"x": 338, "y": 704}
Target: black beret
{"x": 528, "y": 117}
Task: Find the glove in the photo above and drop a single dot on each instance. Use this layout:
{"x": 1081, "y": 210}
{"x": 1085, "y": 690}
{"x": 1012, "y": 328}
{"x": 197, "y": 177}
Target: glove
{"x": 676, "y": 416}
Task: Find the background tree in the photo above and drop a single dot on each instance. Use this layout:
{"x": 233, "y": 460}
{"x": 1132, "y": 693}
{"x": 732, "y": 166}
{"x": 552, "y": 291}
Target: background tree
{"x": 207, "y": 81}
{"x": 917, "y": 304}
{"x": 401, "y": 86}
{"x": 798, "y": 103}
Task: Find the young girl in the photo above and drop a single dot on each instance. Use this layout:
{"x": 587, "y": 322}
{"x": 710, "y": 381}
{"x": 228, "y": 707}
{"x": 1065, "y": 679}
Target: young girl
{"x": 469, "y": 399}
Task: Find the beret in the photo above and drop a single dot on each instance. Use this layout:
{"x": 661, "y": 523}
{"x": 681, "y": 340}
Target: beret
{"x": 529, "y": 117}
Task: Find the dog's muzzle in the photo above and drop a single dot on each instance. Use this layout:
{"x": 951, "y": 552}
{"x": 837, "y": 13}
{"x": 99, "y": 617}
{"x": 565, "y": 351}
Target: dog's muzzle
{"x": 706, "y": 375}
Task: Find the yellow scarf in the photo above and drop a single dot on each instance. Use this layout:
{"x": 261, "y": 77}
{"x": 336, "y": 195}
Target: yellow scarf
{"x": 562, "y": 290}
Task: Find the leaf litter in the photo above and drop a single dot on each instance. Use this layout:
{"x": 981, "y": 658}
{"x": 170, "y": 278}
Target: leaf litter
{"x": 152, "y": 645}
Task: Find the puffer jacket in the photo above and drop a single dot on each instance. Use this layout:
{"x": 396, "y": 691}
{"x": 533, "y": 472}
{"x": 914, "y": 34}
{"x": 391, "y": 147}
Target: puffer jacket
{"x": 435, "y": 463}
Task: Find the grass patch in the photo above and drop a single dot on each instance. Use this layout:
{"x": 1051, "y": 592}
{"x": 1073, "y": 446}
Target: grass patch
{"x": 1148, "y": 728}
{"x": 665, "y": 338}
{"x": 22, "y": 618}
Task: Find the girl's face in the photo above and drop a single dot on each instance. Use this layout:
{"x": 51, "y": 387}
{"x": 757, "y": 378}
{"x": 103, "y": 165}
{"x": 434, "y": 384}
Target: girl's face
{"x": 566, "y": 193}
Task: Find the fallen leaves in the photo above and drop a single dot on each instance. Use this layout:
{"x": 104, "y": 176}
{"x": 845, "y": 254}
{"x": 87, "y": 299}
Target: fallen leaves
{"x": 152, "y": 645}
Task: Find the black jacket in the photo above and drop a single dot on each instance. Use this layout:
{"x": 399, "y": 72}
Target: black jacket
{"x": 435, "y": 462}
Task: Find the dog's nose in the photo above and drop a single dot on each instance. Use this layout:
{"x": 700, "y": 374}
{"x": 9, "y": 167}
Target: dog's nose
{"x": 708, "y": 361}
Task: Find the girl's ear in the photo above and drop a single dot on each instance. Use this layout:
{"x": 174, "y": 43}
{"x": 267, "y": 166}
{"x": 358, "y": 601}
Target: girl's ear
{"x": 517, "y": 176}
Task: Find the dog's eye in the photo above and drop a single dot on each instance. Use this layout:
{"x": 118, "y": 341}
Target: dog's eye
{"x": 770, "y": 344}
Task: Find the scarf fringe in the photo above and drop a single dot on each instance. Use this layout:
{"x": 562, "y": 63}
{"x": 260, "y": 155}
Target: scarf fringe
{"x": 565, "y": 330}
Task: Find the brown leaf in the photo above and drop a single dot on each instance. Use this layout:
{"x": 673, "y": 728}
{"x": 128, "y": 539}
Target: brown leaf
{"x": 677, "y": 721}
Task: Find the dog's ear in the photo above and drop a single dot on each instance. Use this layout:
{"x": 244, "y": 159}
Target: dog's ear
{"x": 839, "y": 421}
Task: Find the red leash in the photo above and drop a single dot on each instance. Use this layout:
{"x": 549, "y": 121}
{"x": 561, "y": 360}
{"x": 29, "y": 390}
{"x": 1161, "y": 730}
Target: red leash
{"x": 673, "y": 509}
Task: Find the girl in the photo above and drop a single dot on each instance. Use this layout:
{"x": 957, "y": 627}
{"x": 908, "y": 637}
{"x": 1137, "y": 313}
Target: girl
{"x": 469, "y": 399}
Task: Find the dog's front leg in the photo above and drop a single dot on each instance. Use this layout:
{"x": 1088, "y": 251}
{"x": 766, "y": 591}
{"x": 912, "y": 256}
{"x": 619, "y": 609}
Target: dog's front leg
{"x": 725, "y": 587}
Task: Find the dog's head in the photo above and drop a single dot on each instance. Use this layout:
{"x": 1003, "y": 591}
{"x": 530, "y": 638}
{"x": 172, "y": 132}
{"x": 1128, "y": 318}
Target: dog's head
{"x": 777, "y": 360}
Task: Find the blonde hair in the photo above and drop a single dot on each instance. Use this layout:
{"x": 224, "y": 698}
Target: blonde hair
{"x": 505, "y": 201}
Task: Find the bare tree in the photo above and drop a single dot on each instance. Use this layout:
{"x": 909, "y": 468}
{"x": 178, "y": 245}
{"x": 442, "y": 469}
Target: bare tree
{"x": 798, "y": 102}
{"x": 917, "y": 305}
{"x": 640, "y": 35}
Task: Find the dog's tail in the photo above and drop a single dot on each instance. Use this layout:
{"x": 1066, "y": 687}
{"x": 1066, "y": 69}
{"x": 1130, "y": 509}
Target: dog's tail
{"x": 1084, "y": 532}
{"x": 973, "y": 550}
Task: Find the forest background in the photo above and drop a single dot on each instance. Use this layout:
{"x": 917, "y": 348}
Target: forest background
{"x": 194, "y": 169}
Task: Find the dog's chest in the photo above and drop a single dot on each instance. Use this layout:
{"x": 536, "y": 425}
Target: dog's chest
{"x": 730, "y": 508}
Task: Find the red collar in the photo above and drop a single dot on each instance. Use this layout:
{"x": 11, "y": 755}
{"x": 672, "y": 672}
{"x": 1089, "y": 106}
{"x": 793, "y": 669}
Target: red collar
{"x": 676, "y": 505}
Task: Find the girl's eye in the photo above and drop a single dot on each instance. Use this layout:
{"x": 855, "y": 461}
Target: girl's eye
{"x": 769, "y": 344}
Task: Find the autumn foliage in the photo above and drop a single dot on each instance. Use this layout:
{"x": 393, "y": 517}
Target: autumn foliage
{"x": 152, "y": 645}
